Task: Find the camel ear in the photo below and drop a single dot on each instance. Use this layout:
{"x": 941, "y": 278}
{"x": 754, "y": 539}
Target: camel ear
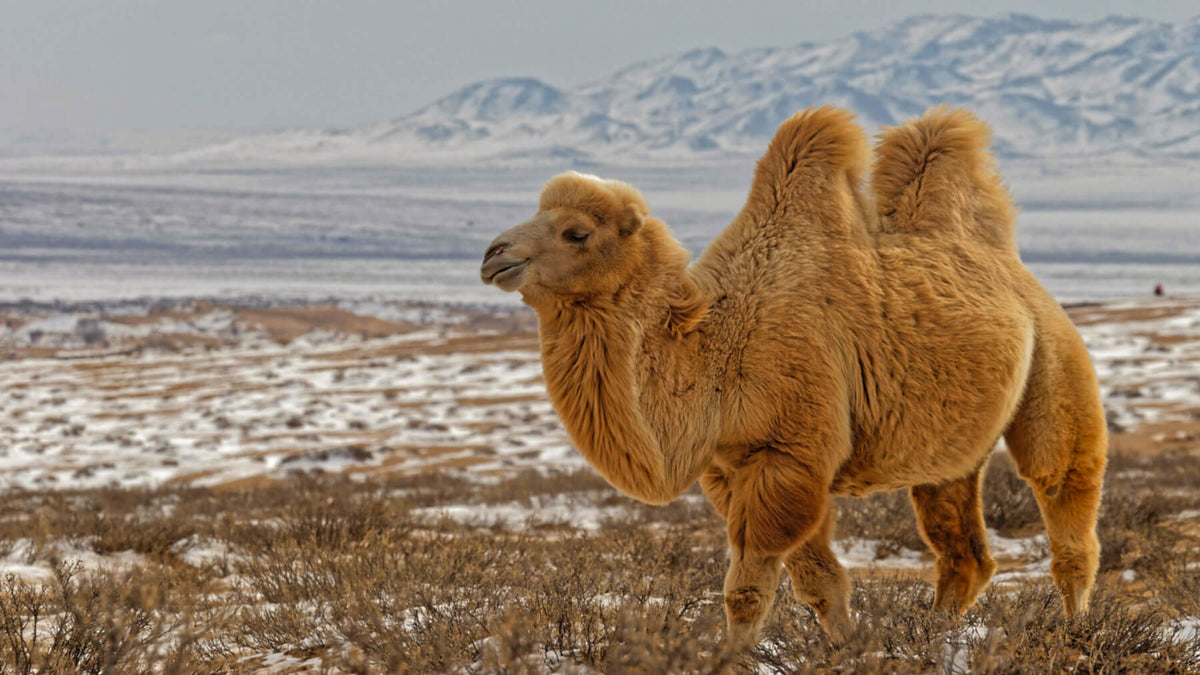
{"x": 633, "y": 219}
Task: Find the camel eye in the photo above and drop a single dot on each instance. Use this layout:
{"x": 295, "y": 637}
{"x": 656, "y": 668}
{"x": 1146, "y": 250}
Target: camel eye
{"x": 575, "y": 237}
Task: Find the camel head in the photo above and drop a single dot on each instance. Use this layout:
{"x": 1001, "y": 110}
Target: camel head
{"x": 586, "y": 240}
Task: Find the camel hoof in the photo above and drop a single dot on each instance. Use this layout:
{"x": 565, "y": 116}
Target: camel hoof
{"x": 949, "y": 604}
{"x": 736, "y": 648}
{"x": 1076, "y": 599}
{"x": 741, "y": 638}
{"x": 837, "y": 629}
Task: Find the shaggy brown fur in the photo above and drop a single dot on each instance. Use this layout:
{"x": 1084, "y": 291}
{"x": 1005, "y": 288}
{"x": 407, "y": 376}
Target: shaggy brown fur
{"x": 821, "y": 345}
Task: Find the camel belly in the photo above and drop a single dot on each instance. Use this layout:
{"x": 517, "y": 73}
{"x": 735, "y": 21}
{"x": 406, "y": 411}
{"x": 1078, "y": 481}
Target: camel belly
{"x": 943, "y": 413}
{"x": 884, "y": 476}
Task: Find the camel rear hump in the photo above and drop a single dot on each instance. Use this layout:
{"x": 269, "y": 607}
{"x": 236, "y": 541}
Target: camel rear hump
{"x": 936, "y": 175}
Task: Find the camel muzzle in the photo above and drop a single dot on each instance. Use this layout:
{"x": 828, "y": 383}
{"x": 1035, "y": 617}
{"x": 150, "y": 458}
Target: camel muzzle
{"x": 502, "y": 268}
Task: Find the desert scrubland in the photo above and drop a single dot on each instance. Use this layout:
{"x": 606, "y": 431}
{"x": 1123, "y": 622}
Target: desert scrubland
{"x": 218, "y": 486}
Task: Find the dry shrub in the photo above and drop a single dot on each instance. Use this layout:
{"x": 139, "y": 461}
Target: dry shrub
{"x": 1018, "y": 632}
{"x": 148, "y": 536}
{"x": 1028, "y": 627}
{"x": 1132, "y": 535}
{"x": 1176, "y": 587}
{"x": 894, "y": 633}
{"x": 527, "y": 484}
{"x": 91, "y": 622}
{"x": 440, "y": 602}
{"x": 345, "y": 572}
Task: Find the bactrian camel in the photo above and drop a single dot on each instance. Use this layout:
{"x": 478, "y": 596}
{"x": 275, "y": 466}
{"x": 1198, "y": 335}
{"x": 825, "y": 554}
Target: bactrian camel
{"x": 835, "y": 339}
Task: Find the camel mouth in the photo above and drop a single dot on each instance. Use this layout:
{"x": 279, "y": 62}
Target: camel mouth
{"x": 506, "y": 274}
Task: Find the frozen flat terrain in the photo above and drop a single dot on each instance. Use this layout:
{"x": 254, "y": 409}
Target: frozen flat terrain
{"x": 1090, "y": 232}
{"x": 208, "y": 395}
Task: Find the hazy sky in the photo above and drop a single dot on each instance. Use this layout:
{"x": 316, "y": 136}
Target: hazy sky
{"x": 97, "y": 66}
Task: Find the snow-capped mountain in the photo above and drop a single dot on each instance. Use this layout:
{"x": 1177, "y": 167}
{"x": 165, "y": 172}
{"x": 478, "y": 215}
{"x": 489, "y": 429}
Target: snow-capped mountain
{"x": 1120, "y": 86}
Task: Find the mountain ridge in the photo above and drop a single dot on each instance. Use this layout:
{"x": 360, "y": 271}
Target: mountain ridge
{"x": 1119, "y": 86}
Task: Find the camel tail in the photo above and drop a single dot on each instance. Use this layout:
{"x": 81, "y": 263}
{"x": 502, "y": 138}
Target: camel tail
{"x": 935, "y": 175}
{"x": 809, "y": 149}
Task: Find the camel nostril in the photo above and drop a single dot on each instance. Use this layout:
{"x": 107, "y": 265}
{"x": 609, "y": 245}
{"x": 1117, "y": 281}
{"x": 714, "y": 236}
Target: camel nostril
{"x": 495, "y": 250}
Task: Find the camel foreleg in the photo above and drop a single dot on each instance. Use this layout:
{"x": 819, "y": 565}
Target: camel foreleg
{"x": 819, "y": 580}
{"x": 777, "y": 501}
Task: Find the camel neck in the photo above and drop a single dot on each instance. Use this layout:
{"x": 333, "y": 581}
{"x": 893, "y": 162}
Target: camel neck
{"x": 615, "y": 369}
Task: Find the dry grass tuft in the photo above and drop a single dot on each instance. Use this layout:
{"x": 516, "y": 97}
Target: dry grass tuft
{"x": 364, "y": 576}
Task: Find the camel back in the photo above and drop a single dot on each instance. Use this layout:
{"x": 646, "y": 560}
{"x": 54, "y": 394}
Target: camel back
{"x": 935, "y": 176}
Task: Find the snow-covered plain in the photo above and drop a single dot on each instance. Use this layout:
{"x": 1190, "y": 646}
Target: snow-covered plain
{"x": 310, "y": 233}
{"x": 98, "y": 416}
{"x": 208, "y": 394}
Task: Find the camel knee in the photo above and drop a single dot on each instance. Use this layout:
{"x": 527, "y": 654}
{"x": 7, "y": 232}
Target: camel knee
{"x": 746, "y": 611}
{"x": 1076, "y": 556}
{"x": 820, "y": 581}
{"x": 1075, "y": 565}
{"x": 745, "y": 605}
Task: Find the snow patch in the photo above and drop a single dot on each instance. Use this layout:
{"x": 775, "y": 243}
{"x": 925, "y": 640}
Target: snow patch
{"x": 875, "y": 553}
{"x": 575, "y": 510}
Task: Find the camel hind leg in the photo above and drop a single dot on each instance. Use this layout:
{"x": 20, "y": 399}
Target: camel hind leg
{"x": 1058, "y": 439}
{"x": 950, "y": 517}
